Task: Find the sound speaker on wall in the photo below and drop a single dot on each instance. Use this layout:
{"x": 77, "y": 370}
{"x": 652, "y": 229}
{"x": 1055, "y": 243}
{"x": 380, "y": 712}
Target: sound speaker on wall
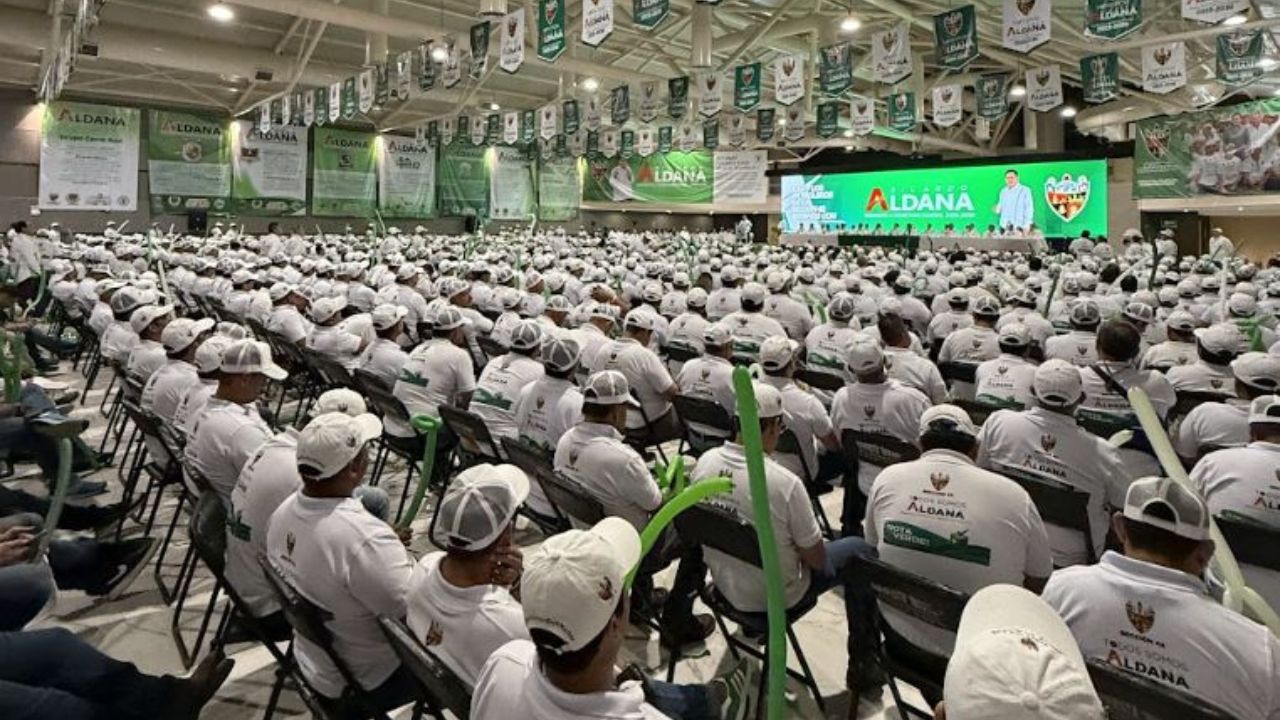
{"x": 197, "y": 221}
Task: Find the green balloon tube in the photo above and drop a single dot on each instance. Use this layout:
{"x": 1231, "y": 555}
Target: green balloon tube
{"x": 668, "y": 512}
{"x": 59, "y": 498}
{"x": 431, "y": 427}
{"x": 775, "y": 597}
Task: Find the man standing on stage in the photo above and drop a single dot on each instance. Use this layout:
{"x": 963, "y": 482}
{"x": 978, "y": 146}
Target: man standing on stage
{"x": 1015, "y": 203}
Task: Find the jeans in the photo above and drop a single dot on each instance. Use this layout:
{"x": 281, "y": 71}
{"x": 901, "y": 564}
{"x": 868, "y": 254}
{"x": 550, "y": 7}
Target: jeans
{"x": 397, "y": 690}
{"x": 859, "y": 602}
{"x": 24, "y": 591}
{"x": 54, "y": 674}
{"x": 681, "y": 702}
{"x": 16, "y": 432}
{"x": 74, "y": 517}
{"x": 375, "y": 500}
{"x": 677, "y": 612}
{"x": 76, "y": 564}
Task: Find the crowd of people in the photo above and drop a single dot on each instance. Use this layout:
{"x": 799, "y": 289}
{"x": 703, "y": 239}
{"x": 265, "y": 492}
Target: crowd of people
{"x": 986, "y": 374}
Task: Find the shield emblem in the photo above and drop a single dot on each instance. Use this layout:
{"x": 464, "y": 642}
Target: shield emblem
{"x": 706, "y": 373}
{"x": 736, "y": 122}
{"x": 860, "y": 106}
{"x": 946, "y": 95}
{"x": 900, "y": 101}
{"x": 1002, "y": 369}
{"x": 953, "y": 22}
{"x": 289, "y": 542}
{"x": 1048, "y": 442}
{"x": 1042, "y": 77}
{"x": 1239, "y": 44}
{"x": 511, "y": 27}
{"x": 788, "y": 66}
{"x": 541, "y": 401}
{"x": 889, "y": 41}
{"x": 1157, "y": 141}
{"x": 1025, "y": 6}
{"x": 550, "y": 12}
{"x": 1216, "y": 383}
{"x": 748, "y": 75}
{"x": 1067, "y": 197}
{"x": 649, "y": 89}
{"x": 977, "y": 344}
{"x": 793, "y": 115}
{"x": 1162, "y": 54}
{"x": 711, "y": 82}
{"x": 870, "y": 411}
{"x": 1141, "y": 618}
{"x": 1099, "y": 65}
{"x": 939, "y": 480}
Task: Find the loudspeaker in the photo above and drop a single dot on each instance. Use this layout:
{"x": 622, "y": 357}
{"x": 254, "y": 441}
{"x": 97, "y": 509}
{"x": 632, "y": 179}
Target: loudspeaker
{"x": 197, "y": 222}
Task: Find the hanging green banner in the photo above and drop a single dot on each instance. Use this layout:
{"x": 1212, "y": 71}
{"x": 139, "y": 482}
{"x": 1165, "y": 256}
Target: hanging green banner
{"x": 558, "y": 191}
{"x": 188, "y": 163}
{"x": 620, "y": 104}
{"x": 492, "y": 129}
{"x": 528, "y": 126}
{"x": 711, "y": 133}
{"x": 349, "y": 100}
{"x": 1239, "y": 57}
{"x": 511, "y": 189}
{"x": 382, "y": 85}
{"x": 956, "y": 38}
{"x": 667, "y": 177}
{"x": 269, "y": 171}
{"x": 1111, "y": 19}
{"x": 828, "y": 118}
{"x": 664, "y": 138}
{"x": 426, "y": 68}
{"x": 550, "y": 29}
{"x": 677, "y": 96}
{"x": 464, "y": 130}
{"x": 902, "y": 111}
{"x": 344, "y": 172}
{"x": 649, "y": 14}
{"x": 628, "y": 143}
{"x": 991, "y": 95}
{"x": 462, "y": 180}
{"x": 835, "y": 68}
{"x": 321, "y": 101}
{"x": 1100, "y": 77}
{"x": 593, "y": 143}
{"x": 570, "y": 117}
{"x": 766, "y": 118}
{"x": 479, "y": 49}
{"x": 406, "y": 178}
{"x": 746, "y": 87}
{"x": 433, "y": 129}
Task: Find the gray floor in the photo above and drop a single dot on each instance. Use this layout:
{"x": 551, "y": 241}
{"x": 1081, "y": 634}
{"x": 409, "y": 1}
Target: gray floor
{"x": 136, "y": 626}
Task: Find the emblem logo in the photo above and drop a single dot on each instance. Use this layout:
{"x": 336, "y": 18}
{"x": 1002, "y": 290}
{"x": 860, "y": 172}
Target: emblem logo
{"x": 606, "y": 590}
{"x": 748, "y": 74}
{"x": 550, "y": 11}
{"x": 511, "y": 27}
{"x": 1162, "y": 54}
{"x": 947, "y": 95}
{"x": 788, "y": 66}
{"x": 1026, "y": 6}
{"x": 1067, "y": 196}
{"x": 1141, "y": 618}
{"x": 1048, "y": 442}
{"x": 434, "y": 636}
{"x": 939, "y": 480}
{"x": 289, "y": 542}
{"x": 1042, "y": 77}
{"x": 870, "y": 410}
{"x": 900, "y": 101}
{"x": 953, "y": 23}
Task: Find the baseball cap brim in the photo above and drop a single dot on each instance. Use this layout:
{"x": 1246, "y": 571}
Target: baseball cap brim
{"x": 273, "y": 371}
{"x": 369, "y": 426}
{"x": 622, "y": 539}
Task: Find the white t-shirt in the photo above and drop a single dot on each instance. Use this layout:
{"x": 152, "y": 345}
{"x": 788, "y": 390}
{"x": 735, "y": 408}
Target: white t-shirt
{"x": 1005, "y": 379}
{"x": 546, "y": 409}
{"x": 807, "y": 418}
{"x": 793, "y": 315}
{"x": 269, "y": 477}
{"x": 163, "y": 392}
{"x": 1077, "y": 347}
{"x": 1212, "y": 424}
{"x": 1102, "y": 402}
{"x": 827, "y": 348}
{"x": 434, "y": 375}
{"x": 287, "y": 322}
{"x": 749, "y": 330}
{"x": 646, "y": 376}
{"x": 708, "y": 378}
{"x": 944, "y": 518}
{"x": 351, "y": 564}
{"x": 945, "y": 323}
{"x": 461, "y": 626}
{"x": 145, "y": 359}
{"x": 594, "y": 456}
{"x": 384, "y": 359}
{"x": 1168, "y": 354}
{"x": 722, "y": 302}
{"x": 512, "y": 685}
{"x": 192, "y": 404}
{"x": 118, "y": 341}
{"x": 1202, "y": 377}
{"x": 335, "y": 342}
{"x": 687, "y": 331}
{"x": 1162, "y": 624}
{"x": 914, "y": 371}
{"x": 794, "y": 527}
{"x": 498, "y": 389}
{"x": 972, "y": 345}
{"x": 221, "y": 441}
{"x": 887, "y": 408}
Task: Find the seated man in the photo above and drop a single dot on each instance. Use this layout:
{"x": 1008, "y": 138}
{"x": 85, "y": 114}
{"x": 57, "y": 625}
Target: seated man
{"x": 1079, "y": 346}
{"x": 163, "y": 391}
{"x": 330, "y": 338}
{"x": 645, "y": 373}
{"x": 438, "y": 372}
{"x": 148, "y": 355}
{"x": 384, "y": 358}
{"x": 1006, "y": 379}
{"x": 906, "y": 365}
{"x": 576, "y": 616}
{"x": 286, "y": 318}
{"x": 806, "y": 418}
{"x": 1179, "y": 349}
{"x": 974, "y": 344}
{"x": 192, "y": 399}
{"x": 750, "y": 326}
{"x": 710, "y": 376}
{"x": 505, "y": 376}
{"x": 1225, "y": 424}
{"x": 1216, "y": 347}
{"x": 549, "y": 407}
{"x": 1149, "y": 611}
{"x": 1108, "y": 381}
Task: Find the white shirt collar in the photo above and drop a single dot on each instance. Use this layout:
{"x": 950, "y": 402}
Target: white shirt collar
{"x": 1152, "y": 574}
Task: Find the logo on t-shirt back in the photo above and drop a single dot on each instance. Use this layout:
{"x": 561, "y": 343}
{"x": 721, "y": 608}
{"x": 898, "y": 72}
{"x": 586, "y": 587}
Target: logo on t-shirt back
{"x": 434, "y": 636}
{"x": 870, "y": 410}
{"x": 1140, "y": 617}
{"x": 1048, "y": 442}
{"x": 939, "y": 480}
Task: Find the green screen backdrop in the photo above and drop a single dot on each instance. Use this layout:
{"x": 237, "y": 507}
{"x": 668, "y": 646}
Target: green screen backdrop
{"x": 672, "y": 177}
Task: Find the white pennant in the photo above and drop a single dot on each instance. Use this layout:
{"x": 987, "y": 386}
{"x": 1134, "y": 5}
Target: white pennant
{"x": 862, "y": 110}
{"x": 591, "y": 113}
{"x": 335, "y": 102}
{"x": 646, "y": 141}
{"x": 477, "y": 130}
{"x": 264, "y": 117}
{"x": 547, "y": 121}
{"x": 451, "y": 72}
{"x": 649, "y": 102}
{"x": 609, "y": 143}
{"x": 286, "y": 109}
{"x": 364, "y": 90}
{"x": 1212, "y": 11}
{"x": 690, "y": 136}
{"x": 710, "y": 93}
{"x": 597, "y": 21}
{"x": 404, "y": 75}
{"x": 947, "y": 106}
{"x": 511, "y": 128}
{"x": 794, "y": 131}
{"x": 891, "y": 53}
{"x": 511, "y": 47}
{"x": 308, "y": 108}
{"x": 1164, "y": 67}
{"x": 737, "y": 130}
{"x": 1026, "y": 23}
{"x": 446, "y": 130}
{"x": 1044, "y": 88}
{"x": 788, "y": 79}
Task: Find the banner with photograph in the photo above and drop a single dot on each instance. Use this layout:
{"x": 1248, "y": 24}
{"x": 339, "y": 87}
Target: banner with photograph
{"x": 558, "y": 191}
{"x": 991, "y": 95}
{"x": 511, "y": 190}
{"x": 902, "y": 111}
{"x": 479, "y": 49}
{"x": 740, "y": 176}
{"x": 1223, "y": 151}
{"x": 344, "y": 172}
{"x": 668, "y": 178}
{"x": 89, "y": 157}
{"x": 406, "y": 178}
{"x": 269, "y": 171}
{"x": 462, "y": 180}
{"x": 188, "y": 163}
{"x": 677, "y": 96}
{"x": 766, "y": 119}
{"x": 664, "y": 138}
{"x": 828, "y": 118}
{"x": 1026, "y": 24}
{"x": 620, "y": 105}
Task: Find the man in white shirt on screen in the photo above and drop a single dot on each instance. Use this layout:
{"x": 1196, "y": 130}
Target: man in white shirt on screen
{"x": 1015, "y": 204}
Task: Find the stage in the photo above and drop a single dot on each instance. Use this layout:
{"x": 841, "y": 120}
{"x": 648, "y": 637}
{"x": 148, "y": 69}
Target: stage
{"x": 1001, "y": 243}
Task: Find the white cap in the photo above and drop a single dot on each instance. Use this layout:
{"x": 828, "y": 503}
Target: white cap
{"x": 768, "y": 401}
{"x": 572, "y": 583}
{"x": 447, "y": 318}
{"x": 1057, "y": 383}
{"x": 696, "y": 297}
{"x": 1140, "y": 313}
{"x": 651, "y": 291}
{"x": 776, "y": 281}
{"x": 608, "y": 387}
{"x": 842, "y": 306}
{"x": 526, "y": 335}
{"x": 386, "y": 315}
{"x": 1015, "y": 334}
{"x": 341, "y": 400}
{"x": 1181, "y": 320}
{"x": 407, "y": 271}
{"x": 278, "y": 291}
{"x": 142, "y": 318}
{"x": 240, "y": 277}
{"x": 1258, "y": 370}
{"x": 1015, "y": 659}
{"x": 777, "y": 352}
{"x": 232, "y": 330}
{"x": 329, "y": 442}
{"x": 753, "y": 293}
{"x": 1265, "y": 410}
{"x": 179, "y": 334}
{"x": 639, "y": 320}
{"x": 1166, "y": 504}
{"x": 1086, "y": 313}
{"x": 325, "y": 308}
{"x": 716, "y": 335}
{"x": 1220, "y": 339}
{"x": 561, "y": 354}
{"x": 479, "y": 506}
{"x": 1242, "y": 304}
{"x": 949, "y": 418}
{"x": 209, "y": 354}
{"x": 865, "y": 354}
{"x": 246, "y": 357}
{"x": 957, "y": 298}
{"x": 985, "y": 306}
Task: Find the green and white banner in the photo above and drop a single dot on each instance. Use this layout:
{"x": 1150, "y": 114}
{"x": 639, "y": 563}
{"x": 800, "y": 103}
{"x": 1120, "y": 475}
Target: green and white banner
{"x": 677, "y": 96}
{"x": 570, "y": 112}
{"x": 462, "y": 180}
{"x": 710, "y": 94}
{"x": 406, "y": 178}
{"x": 891, "y": 53}
{"x": 664, "y": 138}
{"x": 711, "y": 133}
{"x": 511, "y": 189}
{"x": 558, "y": 191}
{"x": 344, "y": 170}
{"x": 1239, "y": 57}
{"x": 1212, "y": 11}
{"x": 955, "y": 37}
{"x": 1044, "y": 88}
{"x": 1100, "y": 77}
{"x": 766, "y": 118}
{"x": 620, "y": 105}
{"x": 902, "y": 111}
{"x": 948, "y": 105}
{"x": 828, "y": 118}
{"x": 1164, "y": 67}
{"x": 269, "y": 171}
{"x": 1026, "y": 23}
{"x": 627, "y": 143}
{"x": 991, "y": 95}
{"x": 188, "y": 162}
{"x": 746, "y": 87}
{"x": 862, "y": 116}
{"x": 479, "y": 49}
{"x": 835, "y": 68}
{"x": 1111, "y": 19}
{"x": 550, "y": 29}
{"x": 1223, "y": 151}
{"x": 426, "y": 68}
{"x": 89, "y": 157}
{"x": 668, "y": 178}
{"x": 649, "y": 14}
{"x": 597, "y": 21}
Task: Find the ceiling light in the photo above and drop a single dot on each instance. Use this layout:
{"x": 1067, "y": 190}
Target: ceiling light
{"x": 439, "y": 53}
{"x": 494, "y": 106}
{"x": 1068, "y": 112}
{"x": 849, "y": 148}
{"x": 1017, "y": 91}
{"x": 591, "y": 84}
{"x": 222, "y": 12}
{"x": 848, "y": 133}
{"x": 850, "y": 24}
{"x": 1235, "y": 20}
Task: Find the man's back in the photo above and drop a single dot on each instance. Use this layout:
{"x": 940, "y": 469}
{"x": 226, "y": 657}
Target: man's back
{"x": 645, "y": 373}
{"x": 594, "y": 456}
{"x": 749, "y": 329}
{"x": 887, "y": 408}
{"x": 269, "y": 477}
{"x": 498, "y": 389}
{"x": 1077, "y": 347}
{"x": 434, "y": 374}
{"x": 1005, "y": 379}
{"x": 221, "y": 441}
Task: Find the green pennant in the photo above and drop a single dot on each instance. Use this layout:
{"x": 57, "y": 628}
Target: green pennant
{"x": 382, "y": 84}
{"x": 492, "y": 129}
{"x": 835, "y": 68}
{"x": 766, "y": 119}
{"x": 1111, "y": 19}
{"x": 746, "y": 87}
{"x": 570, "y": 117}
{"x": 664, "y": 138}
{"x": 902, "y": 111}
{"x": 528, "y": 130}
{"x": 649, "y": 14}
{"x": 828, "y": 118}
{"x": 955, "y": 37}
{"x": 991, "y": 95}
{"x": 620, "y": 104}
{"x": 550, "y": 29}
{"x": 593, "y": 143}
{"x": 1100, "y": 77}
{"x": 628, "y": 143}
{"x": 426, "y": 68}
{"x": 479, "y": 49}
{"x": 677, "y": 96}
{"x": 321, "y": 101}
{"x": 433, "y": 129}
{"x": 349, "y": 103}
{"x": 711, "y": 133}
{"x": 1238, "y": 57}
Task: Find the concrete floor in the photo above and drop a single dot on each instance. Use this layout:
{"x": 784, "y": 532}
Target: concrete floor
{"x": 136, "y": 626}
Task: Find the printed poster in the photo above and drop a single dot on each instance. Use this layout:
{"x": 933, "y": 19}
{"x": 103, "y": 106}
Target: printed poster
{"x": 269, "y": 171}
{"x": 89, "y": 157}
{"x": 344, "y": 170}
{"x": 407, "y": 178}
{"x": 188, "y": 163}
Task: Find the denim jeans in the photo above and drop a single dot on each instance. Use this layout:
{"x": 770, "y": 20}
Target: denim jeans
{"x": 859, "y": 601}
{"x": 677, "y": 612}
{"x": 681, "y": 702}
{"x": 24, "y": 590}
{"x": 16, "y": 433}
{"x": 76, "y": 564}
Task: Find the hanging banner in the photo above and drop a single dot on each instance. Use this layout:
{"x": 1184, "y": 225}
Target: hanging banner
{"x": 309, "y": 108}
{"x": 1044, "y": 88}
{"x": 335, "y": 101}
{"x": 1164, "y": 67}
{"x": 344, "y": 170}
{"x": 350, "y": 99}
{"x": 947, "y": 105}
{"x": 955, "y": 37}
{"x": 793, "y": 129}
{"x": 462, "y": 180}
{"x": 597, "y": 21}
{"x": 269, "y": 172}
{"x": 891, "y": 53}
{"x": 286, "y": 110}
{"x": 664, "y": 139}
{"x": 447, "y": 127}
{"x": 479, "y": 131}
{"x": 404, "y": 76}
{"x": 649, "y": 14}
{"x": 451, "y": 71}
{"x": 381, "y": 84}
{"x": 1222, "y": 151}
{"x": 593, "y": 144}
{"x": 433, "y": 129}
{"x": 627, "y": 143}
{"x": 527, "y": 129}
{"x": 511, "y": 127}
{"x": 264, "y": 117}
{"x": 620, "y": 104}
{"x": 863, "y": 114}
{"x": 570, "y": 110}
{"x": 1239, "y": 57}
{"x": 835, "y": 68}
{"x": 711, "y": 133}
{"x": 649, "y": 102}
{"x": 188, "y": 163}
{"x": 426, "y": 68}
{"x": 89, "y": 157}
{"x": 609, "y": 142}
{"x": 1111, "y": 19}
{"x": 746, "y": 87}
{"x": 1026, "y": 24}
{"x": 690, "y": 137}
{"x": 902, "y": 112}
{"x": 710, "y": 94}
{"x": 675, "y": 178}
{"x": 511, "y": 185}
{"x": 739, "y": 177}
{"x": 558, "y": 192}
{"x": 677, "y": 96}
{"x": 1212, "y": 12}
{"x": 1099, "y": 77}
{"x": 737, "y": 129}
{"x": 492, "y": 129}
{"x": 991, "y": 95}
{"x": 766, "y": 118}
{"x": 464, "y": 129}
{"x": 788, "y": 79}
{"x": 364, "y": 84}
{"x": 479, "y": 49}
{"x": 406, "y": 178}
{"x": 550, "y": 29}
{"x": 547, "y": 121}
{"x": 577, "y": 144}
{"x": 511, "y": 42}
{"x": 646, "y": 141}
{"x": 828, "y": 118}
{"x": 593, "y": 113}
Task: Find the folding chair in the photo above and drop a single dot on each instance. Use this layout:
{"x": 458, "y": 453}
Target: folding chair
{"x": 1189, "y": 399}
{"x": 703, "y": 413}
{"x": 535, "y": 462}
{"x": 820, "y": 380}
{"x": 789, "y": 444}
{"x": 978, "y": 411}
{"x": 570, "y": 499}
{"x": 1058, "y": 505}
{"x": 490, "y": 347}
{"x": 1252, "y": 544}
{"x": 1132, "y": 697}
{"x": 473, "y": 434}
{"x": 676, "y": 352}
{"x": 716, "y": 529}
{"x": 924, "y": 600}
{"x": 388, "y": 406}
{"x": 440, "y": 687}
{"x": 878, "y": 449}
{"x": 953, "y": 372}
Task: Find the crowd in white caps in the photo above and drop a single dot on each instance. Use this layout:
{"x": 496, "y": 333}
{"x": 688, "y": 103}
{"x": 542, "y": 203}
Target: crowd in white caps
{"x": 999, "y": 369}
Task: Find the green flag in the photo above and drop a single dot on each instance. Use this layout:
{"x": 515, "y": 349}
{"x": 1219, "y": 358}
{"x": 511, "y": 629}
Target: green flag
{"x": 1239, "y": 55}
{"x": 677, "y": 96}
{"x": 550, "y": 29}
{"x": 426, "y": 68}
{"x": 664, "y": 138}
{"x": 956, "y": 37}
{"x": 493, "y": 129}
{"x": 570, "y": 117}
{"x": 479, "y": 49}
{"x": 528, "y": 129}
{"x": 593, "y": 143}
{"x": 1099, "y": 77}
{"x": 991, "y": 95}
{"x": 1111, "y": 19}
{"x": 766, "y": 118}
{"x": 835, "y": 68}
{"x": 349, "y": 98}
{"x": 620, "y": 104}
{"x": 746, "y": 87}
{"x": 628, "y": 143}
{"x": 382, "y": 84}
{"x": 902, "y": 111}
{"x": 711, "y": 133}
{"x": 649, "y": 14}
{"x": 828, "y": 118}
{"x": 322, "y": 105}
